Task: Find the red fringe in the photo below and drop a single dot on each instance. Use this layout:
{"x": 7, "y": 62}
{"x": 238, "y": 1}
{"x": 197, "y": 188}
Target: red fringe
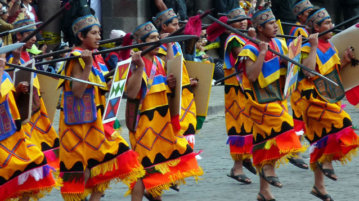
{"x": 215, "y": 30}
{"x": 108, "y": 128}
{"x": 12, "y": 189}
{"x": 188, "y": 163}
{"x": 175, "y": 122}
{"x": 286, "y": 143}
{"x": 353, "y": 95}
{"x": 193, "y": 26}
{"x": 337, "y": 145}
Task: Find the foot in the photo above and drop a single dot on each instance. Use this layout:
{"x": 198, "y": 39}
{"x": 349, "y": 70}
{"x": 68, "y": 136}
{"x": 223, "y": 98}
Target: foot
{"x": 321, "y": 193}
{"x": 268, "y": 174}
{"x": 151, "y": 198}
{"x": 328, "y": 170}
{"x": 248, "y": 164}
{"x": 299, "y": 162}
{"x": 241, "y": 177}
{"x": 264, "y": 195}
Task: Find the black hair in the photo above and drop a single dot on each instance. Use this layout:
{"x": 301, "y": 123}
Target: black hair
{"x": 83, "y": 33}
{"x": 166, "y": 23}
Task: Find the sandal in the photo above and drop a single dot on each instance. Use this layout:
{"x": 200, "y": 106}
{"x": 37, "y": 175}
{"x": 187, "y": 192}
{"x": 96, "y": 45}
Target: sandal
{"x": 150, "y": 197}
{"x": 175, "y": 187}
{"x": 298, "y": 162}
{"x": 262, "y": 198}
{"x": 249, "y": 166}
{"x": 327, "y": 172}
{"x": 241, "y": 178}
{"x": 272, "y": 180}
{"x": 319, "y": 195}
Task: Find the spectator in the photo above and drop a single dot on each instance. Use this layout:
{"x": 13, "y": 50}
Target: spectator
{"x": 179, "y": 6}
{"x": 4, "y": 25}
{"x": 30, "y": 11}
{"x": 113, "y": 57}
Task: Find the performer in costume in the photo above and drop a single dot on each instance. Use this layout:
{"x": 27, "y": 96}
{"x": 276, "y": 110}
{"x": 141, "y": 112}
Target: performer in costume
{"x": 39, "y": 129}
{"x": 167, "y": 22}
{"x": 165, "y": 154}
{"x": 239, "y": 126}
{"x": 24, "y": 172}
{"x": 328, "y": 127}
{"x": 90, "y": 156}
{"x": 274, "y": 139}
{"x": 301, "y": 9}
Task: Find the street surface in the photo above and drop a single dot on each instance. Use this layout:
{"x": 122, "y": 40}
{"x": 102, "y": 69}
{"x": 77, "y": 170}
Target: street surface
{"x": 216, "y": 163}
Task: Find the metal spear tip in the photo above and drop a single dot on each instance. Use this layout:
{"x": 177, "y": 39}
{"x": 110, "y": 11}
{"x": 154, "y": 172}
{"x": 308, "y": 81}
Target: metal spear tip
{"x": 9, "y": 48}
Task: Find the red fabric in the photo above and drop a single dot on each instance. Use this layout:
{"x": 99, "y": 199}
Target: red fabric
{"x": 12, "y": 189}
{"x": 193, "y": 26}
{"x": 175, "y": 122}
{"x": 353, "y": 95}
{"x": 337, "y": 145}
{"x": 215, "y": 29}
{"x": 127, "y": 40}
{"x": 148, "y": 66}
{"x": 298, "y": 125}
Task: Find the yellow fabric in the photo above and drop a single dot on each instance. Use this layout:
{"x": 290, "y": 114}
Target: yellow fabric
{"x": 39, "y": 129}
{"x": 81, "y": 139}
{"x": 145, "y": 140}
{"x": 188, "y": 105}
{"x": 6, "y": 87}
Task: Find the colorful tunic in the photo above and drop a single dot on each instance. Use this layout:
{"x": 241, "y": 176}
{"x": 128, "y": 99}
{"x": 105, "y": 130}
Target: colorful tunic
{"x": 165, "y": 154}
{"x": 188, "y": 121}
{"x": 239, "y": 126}
{"x": 274, "y": 138}
{"x": 296, "y": 96}
{"x": 328, "y": 127}
{"x": 84, "y": 143}
{"x": 39, "y": 129}
{"x": 23, "y": 167}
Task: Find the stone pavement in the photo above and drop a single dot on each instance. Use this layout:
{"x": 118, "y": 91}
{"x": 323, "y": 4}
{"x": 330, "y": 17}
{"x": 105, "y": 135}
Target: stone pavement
{"x": 216, "y": 163}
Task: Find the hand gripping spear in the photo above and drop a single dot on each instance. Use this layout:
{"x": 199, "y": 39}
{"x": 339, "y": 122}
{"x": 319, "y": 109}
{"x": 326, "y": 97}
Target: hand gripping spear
{"x": 269, "y": 49}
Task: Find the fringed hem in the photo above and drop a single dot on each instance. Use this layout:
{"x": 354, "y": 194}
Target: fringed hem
{"x": 276, "y": 151}
{"x": 125, "y": 168}
{"x": 178, "y": 170}
{"x": 241, "y": 157}
{"x": 340, "y": 146}
{"x": 34, "y": 183}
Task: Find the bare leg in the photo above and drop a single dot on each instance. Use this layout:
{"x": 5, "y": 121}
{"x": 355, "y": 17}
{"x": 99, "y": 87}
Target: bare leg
{"x": 95, "y": 196}
{"x": 138, "y": 191}
{"x": 329, "y": 165}
{"x": 319, "y": 182}
{"x": 264, "y": 189}
{"x": 238, "y": 168}
{"x": 24, "y": 198}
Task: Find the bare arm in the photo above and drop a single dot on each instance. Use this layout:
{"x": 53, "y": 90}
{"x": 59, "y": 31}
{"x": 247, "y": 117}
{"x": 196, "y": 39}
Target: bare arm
{"x": 79, "y": 88}
{"x": 311, "y": 61}
{"x": 253, "y": 69}
{"x": 135, "y": 80}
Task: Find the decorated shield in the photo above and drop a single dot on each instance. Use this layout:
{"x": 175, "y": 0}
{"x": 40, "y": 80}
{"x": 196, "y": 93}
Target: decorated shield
{"x": 50, "y": 94}
{"x": 117, "y": 89}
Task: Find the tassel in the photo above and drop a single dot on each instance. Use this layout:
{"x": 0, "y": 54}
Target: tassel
{"x": 193, "y": 26}
{"x": 175, "y": 122}
{"x": 215, "y": 30}
{"x": 127, "y": 40}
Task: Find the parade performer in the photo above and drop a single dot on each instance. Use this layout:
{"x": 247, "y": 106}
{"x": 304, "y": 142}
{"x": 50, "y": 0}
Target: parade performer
{"x": 239, "y": 126}
{"x": 165, "y": 154}
{"x": 90, "y": 156}
{"x": 24, "y": 172}
{"x": 328, "y": 127}
{"x": 301, "y": 9}
{"x": 39, "y": 129}
{"x": 167, "y": 23}
{"x": 274, "y": 139}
